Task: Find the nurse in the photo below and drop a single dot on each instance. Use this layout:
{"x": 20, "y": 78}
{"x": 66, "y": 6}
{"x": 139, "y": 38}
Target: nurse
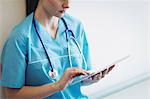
{"x": 35, "y": 59}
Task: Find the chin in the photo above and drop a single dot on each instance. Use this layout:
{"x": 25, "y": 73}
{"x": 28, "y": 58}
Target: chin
{"x": 60, "y": 15}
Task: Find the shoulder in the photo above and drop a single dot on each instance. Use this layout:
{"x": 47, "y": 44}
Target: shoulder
{"x": 21, "y": 31}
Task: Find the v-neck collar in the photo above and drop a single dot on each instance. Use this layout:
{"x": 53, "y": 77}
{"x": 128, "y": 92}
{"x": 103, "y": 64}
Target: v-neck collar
{"x": 46, "y": 37}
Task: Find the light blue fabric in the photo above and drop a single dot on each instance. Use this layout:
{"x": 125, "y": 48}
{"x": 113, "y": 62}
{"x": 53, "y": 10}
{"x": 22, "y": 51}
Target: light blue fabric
{"x": 24, "y": 62}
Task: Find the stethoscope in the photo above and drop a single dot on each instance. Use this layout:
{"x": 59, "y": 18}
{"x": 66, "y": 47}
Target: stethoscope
{"x": 53, "y": 73}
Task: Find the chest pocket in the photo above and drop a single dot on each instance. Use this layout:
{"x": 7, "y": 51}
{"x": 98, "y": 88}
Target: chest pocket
{"x": 38, "y": 67}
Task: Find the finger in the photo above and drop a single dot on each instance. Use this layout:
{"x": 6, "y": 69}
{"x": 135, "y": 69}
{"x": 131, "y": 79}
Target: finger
{"x": 99, "y": 76}
{"x": 77, "y": 72}
{"x": 82, "y": 71}
{"x": 96, "y": 77}
{"x": 92, "y": 77}
{"x": 89, "y": 79}
{"x": 103, "y": 73}
{"x": 87, "y": 72}
{"x": 109, "y": 69}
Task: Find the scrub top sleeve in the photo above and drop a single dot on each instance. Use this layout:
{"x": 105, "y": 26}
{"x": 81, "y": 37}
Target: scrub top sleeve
{"x": 13, "y": 63}
{"x": 85, "y": 48}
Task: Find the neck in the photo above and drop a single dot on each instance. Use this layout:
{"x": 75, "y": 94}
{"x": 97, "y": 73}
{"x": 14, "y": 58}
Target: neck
{"x": 47, "y": 20}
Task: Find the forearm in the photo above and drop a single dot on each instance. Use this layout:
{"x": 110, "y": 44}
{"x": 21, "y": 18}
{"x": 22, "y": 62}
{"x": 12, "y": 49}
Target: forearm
{"x": 29, "y": 92}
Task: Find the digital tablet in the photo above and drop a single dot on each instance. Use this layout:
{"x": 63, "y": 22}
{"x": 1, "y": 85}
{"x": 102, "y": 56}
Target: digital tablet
{"x": 100, "y": 70}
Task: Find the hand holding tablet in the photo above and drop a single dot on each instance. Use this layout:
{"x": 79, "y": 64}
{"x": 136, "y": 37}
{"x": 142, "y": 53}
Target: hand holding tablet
{"x": 102, "y": 71}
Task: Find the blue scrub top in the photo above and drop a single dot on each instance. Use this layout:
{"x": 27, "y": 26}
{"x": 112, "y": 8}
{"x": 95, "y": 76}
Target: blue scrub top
{"x": 24, "y": 62}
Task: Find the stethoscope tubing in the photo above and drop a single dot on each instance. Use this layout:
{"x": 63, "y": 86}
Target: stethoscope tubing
{"x": 68, "y": 38}
{"x": 52, "y": 70}
{"x": 79, "y": 48}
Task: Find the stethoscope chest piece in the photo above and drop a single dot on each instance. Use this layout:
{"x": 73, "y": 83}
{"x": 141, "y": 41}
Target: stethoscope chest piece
{"x": 53, "y": 74}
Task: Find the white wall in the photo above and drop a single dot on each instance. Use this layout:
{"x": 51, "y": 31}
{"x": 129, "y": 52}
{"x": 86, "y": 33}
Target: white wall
{"x": 139, "y": 91}
{"x": 115, "y": 28}
{"x": 148, "y": 44}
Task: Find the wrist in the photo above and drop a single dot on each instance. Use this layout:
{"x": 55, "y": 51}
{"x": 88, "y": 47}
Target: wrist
{"x": 56, "y": 86}
{"x": 59, "y": 86}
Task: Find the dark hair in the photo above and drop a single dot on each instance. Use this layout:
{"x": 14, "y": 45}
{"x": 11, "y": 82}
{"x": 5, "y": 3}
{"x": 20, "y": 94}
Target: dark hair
{"x": 31, "y": 6}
